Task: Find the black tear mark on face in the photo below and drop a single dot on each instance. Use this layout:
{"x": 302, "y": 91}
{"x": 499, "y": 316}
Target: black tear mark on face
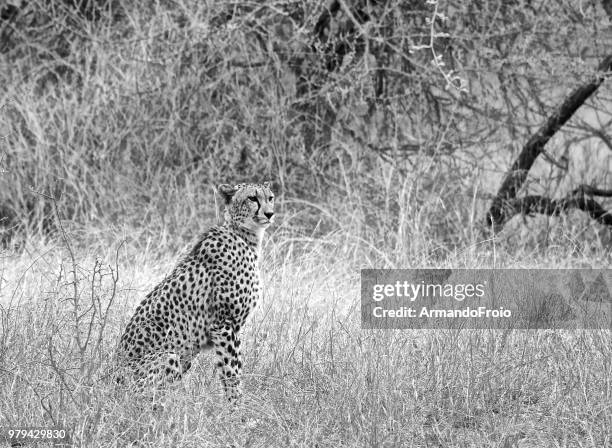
{"x": 256, "y": 200}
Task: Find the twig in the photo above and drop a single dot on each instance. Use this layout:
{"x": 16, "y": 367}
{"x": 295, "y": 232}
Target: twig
{"x": 577, "y": 199}
{"x": 75, "y": 281}
{"x": 452, "y": 80}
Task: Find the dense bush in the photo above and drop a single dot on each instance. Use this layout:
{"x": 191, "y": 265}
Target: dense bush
{"x": 390, "y": 118}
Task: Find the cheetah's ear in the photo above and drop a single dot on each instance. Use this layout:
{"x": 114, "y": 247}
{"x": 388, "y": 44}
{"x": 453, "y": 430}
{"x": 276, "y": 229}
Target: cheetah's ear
{"x": 226, "y": 191}
{"x": 267, "y": 184}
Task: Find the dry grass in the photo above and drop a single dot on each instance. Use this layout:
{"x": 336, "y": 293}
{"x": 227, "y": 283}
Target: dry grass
{"x": 120, "y": 130}
{"x": 313, "y": 377}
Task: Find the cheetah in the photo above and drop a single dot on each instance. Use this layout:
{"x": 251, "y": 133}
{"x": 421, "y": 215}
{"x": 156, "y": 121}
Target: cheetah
{"x": 204, "y": 302}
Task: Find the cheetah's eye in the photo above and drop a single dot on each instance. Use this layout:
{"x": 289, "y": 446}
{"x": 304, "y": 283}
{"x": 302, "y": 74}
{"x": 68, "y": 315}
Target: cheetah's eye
{"x": 252, "y": 198}
{"x": 271, "y": 198}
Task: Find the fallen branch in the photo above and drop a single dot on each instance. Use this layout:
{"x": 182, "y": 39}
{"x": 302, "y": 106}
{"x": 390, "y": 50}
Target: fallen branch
{"x": 580, "y": 199}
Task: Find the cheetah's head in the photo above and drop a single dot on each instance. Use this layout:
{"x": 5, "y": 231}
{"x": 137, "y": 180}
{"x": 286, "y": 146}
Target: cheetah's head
{"x": 250, "y": 206}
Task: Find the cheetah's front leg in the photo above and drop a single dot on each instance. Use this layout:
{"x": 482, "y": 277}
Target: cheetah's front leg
{"x": 227, "y": 348}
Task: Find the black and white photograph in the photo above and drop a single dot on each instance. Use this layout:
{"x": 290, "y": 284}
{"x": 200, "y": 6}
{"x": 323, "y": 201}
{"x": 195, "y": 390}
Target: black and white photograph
{"x": 300, "y": 223}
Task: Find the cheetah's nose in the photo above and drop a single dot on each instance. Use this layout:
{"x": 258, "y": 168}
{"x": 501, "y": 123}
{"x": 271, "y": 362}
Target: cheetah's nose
{"x": 269, "y": 215}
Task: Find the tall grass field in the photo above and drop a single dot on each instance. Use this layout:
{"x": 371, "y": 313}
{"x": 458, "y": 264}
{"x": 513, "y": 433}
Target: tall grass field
{"x": 117, "y": 122}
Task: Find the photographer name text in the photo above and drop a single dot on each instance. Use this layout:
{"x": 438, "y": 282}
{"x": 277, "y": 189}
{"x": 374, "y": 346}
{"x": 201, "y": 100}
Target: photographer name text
{"x": 413, "y": 291}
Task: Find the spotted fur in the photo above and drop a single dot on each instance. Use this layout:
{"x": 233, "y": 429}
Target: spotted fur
{"x": 204, "y": 302}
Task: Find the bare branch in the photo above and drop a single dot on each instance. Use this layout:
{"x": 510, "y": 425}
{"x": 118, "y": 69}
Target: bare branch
{"x": 603, "y": 137}
{"x": 577, "y": 199}
{"x": 516, "y": 176}
{"x": 586, "y": 190}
